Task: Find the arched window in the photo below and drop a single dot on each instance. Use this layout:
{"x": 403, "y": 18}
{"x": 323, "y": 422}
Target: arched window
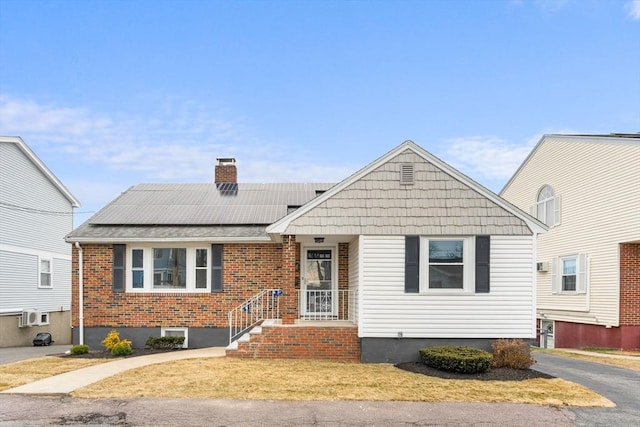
{"x": 547, "y": 207}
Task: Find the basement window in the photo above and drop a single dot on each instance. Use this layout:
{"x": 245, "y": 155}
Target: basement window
{"x": 176, "y": 332}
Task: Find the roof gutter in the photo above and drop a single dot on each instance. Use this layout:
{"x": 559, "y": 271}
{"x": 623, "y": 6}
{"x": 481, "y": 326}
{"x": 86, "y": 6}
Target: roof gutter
{"x": 170, "y": 239}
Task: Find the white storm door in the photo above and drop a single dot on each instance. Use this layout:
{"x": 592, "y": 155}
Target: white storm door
{"x": 318, "y": 291}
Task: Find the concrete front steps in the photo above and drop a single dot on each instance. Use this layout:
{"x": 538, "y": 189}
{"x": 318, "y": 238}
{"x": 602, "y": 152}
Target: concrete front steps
{"x": 330, "y": 340}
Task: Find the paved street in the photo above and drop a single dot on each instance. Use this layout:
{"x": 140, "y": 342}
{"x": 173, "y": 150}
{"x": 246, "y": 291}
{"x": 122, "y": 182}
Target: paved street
{"x": 621, "y": 386}
{"x": 40, "y": 411}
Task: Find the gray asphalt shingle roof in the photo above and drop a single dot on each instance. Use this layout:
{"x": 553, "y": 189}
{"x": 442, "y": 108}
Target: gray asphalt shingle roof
{"x": 196, "y": 210}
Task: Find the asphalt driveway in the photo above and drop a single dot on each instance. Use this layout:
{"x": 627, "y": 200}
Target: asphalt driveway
{"x": 16, "y": 354}
{"x": 621, "y": 386}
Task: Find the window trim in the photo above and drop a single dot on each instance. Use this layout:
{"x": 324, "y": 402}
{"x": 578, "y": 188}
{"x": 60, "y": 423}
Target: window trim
{"x": 468, "y": 266}
{"x": 549, "y": 199}
{"x": 582, "y": 276}
{"x": 46, "y": 316}
{"x": 40, "y": 272}
{"x": 149, "y": 254}
{"x": 164, "y": 330}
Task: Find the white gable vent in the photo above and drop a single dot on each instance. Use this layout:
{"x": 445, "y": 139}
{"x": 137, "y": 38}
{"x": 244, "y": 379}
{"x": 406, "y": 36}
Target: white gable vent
{"x": 406, "y": 174}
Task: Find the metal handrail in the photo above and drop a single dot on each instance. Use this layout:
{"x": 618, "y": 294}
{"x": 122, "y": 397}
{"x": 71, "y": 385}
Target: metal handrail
{"x": 263, "y": 305}
{"x": 325, "y": 304}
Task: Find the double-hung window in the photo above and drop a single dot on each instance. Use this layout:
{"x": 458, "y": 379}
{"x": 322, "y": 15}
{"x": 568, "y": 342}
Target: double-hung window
{"x": 169, "y": 269}
{"x": 570, "y": 274}
{"x": 446, "y": 264}
{"x": 45, "y": 273}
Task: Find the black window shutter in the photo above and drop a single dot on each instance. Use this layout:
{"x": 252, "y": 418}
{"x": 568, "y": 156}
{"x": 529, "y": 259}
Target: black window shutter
{"x": 119, "y": 254}
{"x": 483, "y": 245}
{"x": 412, "y": 264}
{"x": 216, "y": 268}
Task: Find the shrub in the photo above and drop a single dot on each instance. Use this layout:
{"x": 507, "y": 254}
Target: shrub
{"x": 168, "y": 342}
{"x": 111, "y": 340}
{"x": 122, "y": 348}
{"x": 511, "y": 353}
{"x": 80, "y": 349}
{"x": 460, "y": 359}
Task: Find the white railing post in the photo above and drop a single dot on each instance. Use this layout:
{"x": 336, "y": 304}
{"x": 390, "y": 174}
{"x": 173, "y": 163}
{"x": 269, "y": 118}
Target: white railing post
{"x": 263, "y": 305}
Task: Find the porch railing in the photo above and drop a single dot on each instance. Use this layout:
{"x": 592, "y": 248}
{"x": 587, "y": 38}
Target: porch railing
{"x": 325, "y": 305}
{"x": 264, "y": 305}
{"x": 312, "y": 305}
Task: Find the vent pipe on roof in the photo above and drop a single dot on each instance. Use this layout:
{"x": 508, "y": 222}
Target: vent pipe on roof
{"x": 226, "y": 171}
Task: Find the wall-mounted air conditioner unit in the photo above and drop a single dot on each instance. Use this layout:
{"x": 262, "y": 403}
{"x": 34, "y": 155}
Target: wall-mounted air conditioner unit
{"x": 542, "y": 266}
{"x": 30, "y": 318}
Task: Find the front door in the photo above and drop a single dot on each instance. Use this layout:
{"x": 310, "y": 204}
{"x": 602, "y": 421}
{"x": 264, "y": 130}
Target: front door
{"x": 318, "y": 300}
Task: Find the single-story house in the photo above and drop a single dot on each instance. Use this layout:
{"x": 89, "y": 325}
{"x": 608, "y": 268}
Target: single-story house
{"x": 586, "y": 188}
{"x": 405, "y": 253}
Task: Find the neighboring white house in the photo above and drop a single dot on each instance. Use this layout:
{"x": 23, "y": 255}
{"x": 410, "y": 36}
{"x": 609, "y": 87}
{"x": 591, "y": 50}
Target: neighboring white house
{"x": 586, "y": 188}
{"x": 36, "y": 212}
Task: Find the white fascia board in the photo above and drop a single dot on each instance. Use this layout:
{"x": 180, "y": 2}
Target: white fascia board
{"x": 280, "y": 226}
{"x": 42, "y": 167}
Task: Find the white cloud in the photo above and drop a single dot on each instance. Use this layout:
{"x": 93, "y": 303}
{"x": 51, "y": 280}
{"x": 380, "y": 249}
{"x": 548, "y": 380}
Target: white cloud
{"x": 99, "y": 155}
{"x": 178, "y": 141}
{"x": 552, "y": 5}
{"x": 487, "y": 157}
{"x": 632, "y": 8}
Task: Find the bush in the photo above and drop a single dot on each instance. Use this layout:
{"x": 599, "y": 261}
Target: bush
{"x": 165, "y": 342}
{"x": 466, "y": 360}
{"x": 122, "y": 348}
{"x": 511, "y": 353}
{"x": 80, "y": 349}
{"x": 111, "y": 340}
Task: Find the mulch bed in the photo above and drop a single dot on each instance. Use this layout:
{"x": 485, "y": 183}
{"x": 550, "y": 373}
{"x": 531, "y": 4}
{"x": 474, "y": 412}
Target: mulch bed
{"x": 104, "y": 354}
{"x": 496, "y": 374}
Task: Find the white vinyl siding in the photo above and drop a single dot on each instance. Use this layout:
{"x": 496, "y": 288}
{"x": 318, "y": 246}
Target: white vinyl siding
{"x": 19, "y": 282}
{"x": 23, "y": 186}
{"x": 597, "y": 180}
{"x": 507, "y": 311}
{"x": 33, "y": 223}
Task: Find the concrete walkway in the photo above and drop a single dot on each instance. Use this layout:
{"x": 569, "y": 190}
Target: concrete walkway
{"x": 66, "y": 383}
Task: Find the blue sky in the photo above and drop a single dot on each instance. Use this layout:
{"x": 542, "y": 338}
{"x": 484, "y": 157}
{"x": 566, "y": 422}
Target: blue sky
{"x": 114, "y": 93}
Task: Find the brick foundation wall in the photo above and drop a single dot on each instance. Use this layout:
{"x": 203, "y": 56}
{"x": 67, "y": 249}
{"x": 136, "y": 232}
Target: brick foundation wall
{"x": 248, "y": 268}
{"x": 335, "y": 343}
{"x": 578, "y": 335}
{"x": 630, "y": 284}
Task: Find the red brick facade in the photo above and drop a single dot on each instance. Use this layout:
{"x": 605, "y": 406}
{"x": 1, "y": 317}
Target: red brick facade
{"x": 248, "y": 268}
{"x": 630, "y": 284}
{"x": 630, "y": 295}
{"x": 302, "y": 342}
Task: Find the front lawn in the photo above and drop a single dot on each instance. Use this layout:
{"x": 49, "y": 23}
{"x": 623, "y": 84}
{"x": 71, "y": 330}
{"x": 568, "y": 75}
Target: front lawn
{"x": 228, "y": 378}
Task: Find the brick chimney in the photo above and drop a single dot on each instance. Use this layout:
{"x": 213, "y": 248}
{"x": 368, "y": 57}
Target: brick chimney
{"x": 226, "y": 171}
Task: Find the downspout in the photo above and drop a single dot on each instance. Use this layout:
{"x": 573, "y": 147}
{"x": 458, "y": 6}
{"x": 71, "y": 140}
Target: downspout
{"x": 80, "y": 295}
